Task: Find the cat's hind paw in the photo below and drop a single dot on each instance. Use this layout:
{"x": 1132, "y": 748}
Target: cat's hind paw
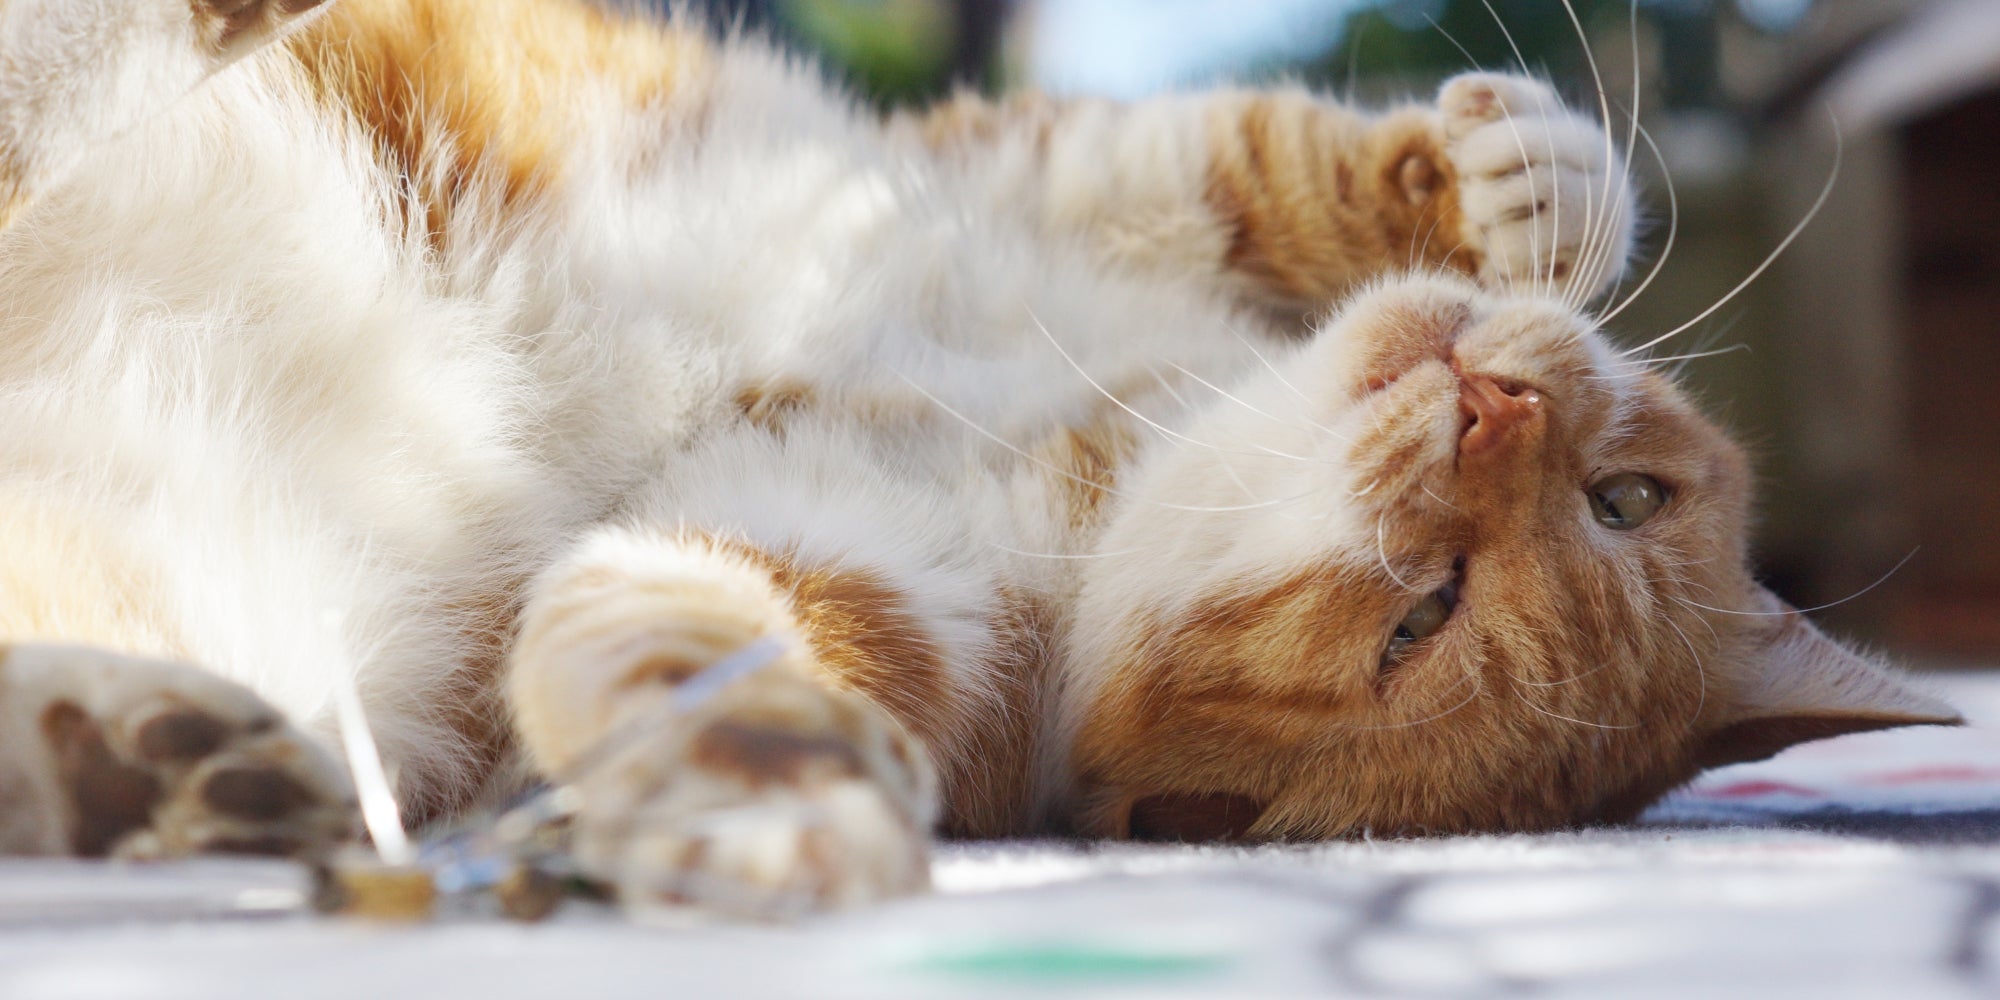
{"x": 1546, "y": 199}
{"x": 791, "y": 799}
{"x": 141, "y": 758}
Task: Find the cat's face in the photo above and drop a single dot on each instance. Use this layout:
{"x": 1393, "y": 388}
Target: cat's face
{"x": 1455, "y": 565}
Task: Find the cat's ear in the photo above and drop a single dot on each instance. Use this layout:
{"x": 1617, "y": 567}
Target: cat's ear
{"x": 1795, "y": 685}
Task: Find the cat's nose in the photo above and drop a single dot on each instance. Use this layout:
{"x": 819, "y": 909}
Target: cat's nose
{"x": 1493, "y": 409}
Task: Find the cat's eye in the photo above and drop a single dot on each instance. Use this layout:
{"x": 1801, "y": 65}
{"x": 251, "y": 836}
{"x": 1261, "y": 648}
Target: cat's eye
{"x": 1626, "y": 500}
{"x": 1426, "y": 617}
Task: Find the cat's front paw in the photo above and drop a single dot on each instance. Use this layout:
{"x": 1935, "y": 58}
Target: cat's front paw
{"x": 786, "y": 799}
{"x": 1546, "y": 200}
{"x": 130, "y": 757}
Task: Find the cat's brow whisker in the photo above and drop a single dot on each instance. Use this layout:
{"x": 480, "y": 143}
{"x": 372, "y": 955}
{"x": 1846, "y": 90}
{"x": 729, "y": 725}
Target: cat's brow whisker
{"x": 1825, "y": 192}
{"x": 974, "y": 426}
{"x": 1427, "y": 490}
{"x": 1382, "y": 553}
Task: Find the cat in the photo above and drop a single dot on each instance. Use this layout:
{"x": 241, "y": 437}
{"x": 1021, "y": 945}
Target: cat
{"x": 1226, "y": 465}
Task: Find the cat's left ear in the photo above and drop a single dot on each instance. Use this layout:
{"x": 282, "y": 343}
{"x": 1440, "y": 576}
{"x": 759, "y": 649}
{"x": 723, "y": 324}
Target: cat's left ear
{"x": 1795, "y": 685}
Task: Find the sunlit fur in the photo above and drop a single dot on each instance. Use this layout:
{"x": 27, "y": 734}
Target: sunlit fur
{"x": 508, "y": 351}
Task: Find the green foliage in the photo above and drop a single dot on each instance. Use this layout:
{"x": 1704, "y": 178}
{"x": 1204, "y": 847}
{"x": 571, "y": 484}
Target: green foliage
{"x": 893, "y": 51}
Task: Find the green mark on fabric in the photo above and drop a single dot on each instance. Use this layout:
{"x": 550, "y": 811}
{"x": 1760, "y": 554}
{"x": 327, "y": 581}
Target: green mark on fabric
{"x": 1064, "y": 963}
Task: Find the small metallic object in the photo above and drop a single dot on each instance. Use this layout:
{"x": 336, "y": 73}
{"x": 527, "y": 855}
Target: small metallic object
{"x": 359, "y": 883}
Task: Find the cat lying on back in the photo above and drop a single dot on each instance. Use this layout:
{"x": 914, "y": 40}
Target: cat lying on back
{"x": 1236, "y": 464}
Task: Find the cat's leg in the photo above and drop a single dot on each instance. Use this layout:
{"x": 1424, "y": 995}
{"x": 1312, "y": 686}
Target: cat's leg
{"x": 1288, "y": 200}
{"x": 76, "y": 72}
{"x": 799, "y": 786}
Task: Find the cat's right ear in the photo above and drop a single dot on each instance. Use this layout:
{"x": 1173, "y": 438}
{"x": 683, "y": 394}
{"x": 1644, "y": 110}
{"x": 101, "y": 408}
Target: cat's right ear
{"x": 1795, "y": 685}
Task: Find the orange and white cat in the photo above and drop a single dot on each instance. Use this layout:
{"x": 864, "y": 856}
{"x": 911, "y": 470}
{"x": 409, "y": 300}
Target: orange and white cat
{"x": 1232, "y": 464}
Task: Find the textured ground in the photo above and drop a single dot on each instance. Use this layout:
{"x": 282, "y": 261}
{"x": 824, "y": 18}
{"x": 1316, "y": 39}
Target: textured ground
{"x": 1868, "y": 866}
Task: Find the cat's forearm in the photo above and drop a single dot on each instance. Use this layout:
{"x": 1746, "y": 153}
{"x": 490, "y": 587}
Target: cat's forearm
{"x": 1284, "y": 199}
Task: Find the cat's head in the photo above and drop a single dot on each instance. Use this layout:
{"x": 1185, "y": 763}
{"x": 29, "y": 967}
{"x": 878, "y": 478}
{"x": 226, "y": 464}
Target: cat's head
{"x": 1453, "y": 565}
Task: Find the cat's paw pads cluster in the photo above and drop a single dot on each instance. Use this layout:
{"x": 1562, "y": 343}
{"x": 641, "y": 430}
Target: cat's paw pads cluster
{"x": 811, "y": 802}
{"x": 158, "y": 760}
{"x": 1543, "y": 190}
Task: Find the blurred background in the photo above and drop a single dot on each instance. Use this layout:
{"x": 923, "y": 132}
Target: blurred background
{"x": 1860, "y": 367}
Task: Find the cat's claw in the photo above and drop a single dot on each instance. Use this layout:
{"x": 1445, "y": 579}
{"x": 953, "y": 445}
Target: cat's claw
{"x": 766, "y": 810}
{"x": 1547, "y": 202}
{"x": 140, "y": 758}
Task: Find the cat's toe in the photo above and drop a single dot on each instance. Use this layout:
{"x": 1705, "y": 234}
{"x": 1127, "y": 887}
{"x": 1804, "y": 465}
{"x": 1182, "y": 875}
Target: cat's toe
{"x": 1543, "y": 190}
{"x": 1470, "y": 101}
{"x": 764, "y": 819}
{"x": 776, "y": 856}
{"x": 152, "y": 759}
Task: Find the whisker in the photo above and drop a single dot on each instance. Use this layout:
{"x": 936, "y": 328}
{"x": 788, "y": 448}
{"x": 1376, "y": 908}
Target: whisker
{"x": 1581, "y": 722}
{"x": 1700, "y": 672}
{"x": 1824, "y": 192}
{"x": 1469, "y": 699}
{"x": 1106, "y": 393}
{"x": 1287, "y": 383}
{"x": 1163, "y": 430}
{"x": 1632, "y": 120}
{"x": 1571, "y": 679}
{"x": 1382, "y": 553}
{"x": 1093, "y": 484}
{"x": 1673, "y": 229}
{"x": 1653, "y": 362}
{"x": 1534, "y": 203}
{"x": 1884, "y": 578}
{"x": 1572, "y": 298}
{"x": 1218, "y": 390}
{"x": 1520, "y": 144}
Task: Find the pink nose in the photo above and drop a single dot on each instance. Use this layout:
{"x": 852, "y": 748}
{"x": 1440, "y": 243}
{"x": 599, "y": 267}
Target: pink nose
{"x": 1492, "y": 409}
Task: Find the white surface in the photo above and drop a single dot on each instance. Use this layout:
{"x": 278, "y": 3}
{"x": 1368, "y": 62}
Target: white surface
{"x": 1860, "y": 867}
